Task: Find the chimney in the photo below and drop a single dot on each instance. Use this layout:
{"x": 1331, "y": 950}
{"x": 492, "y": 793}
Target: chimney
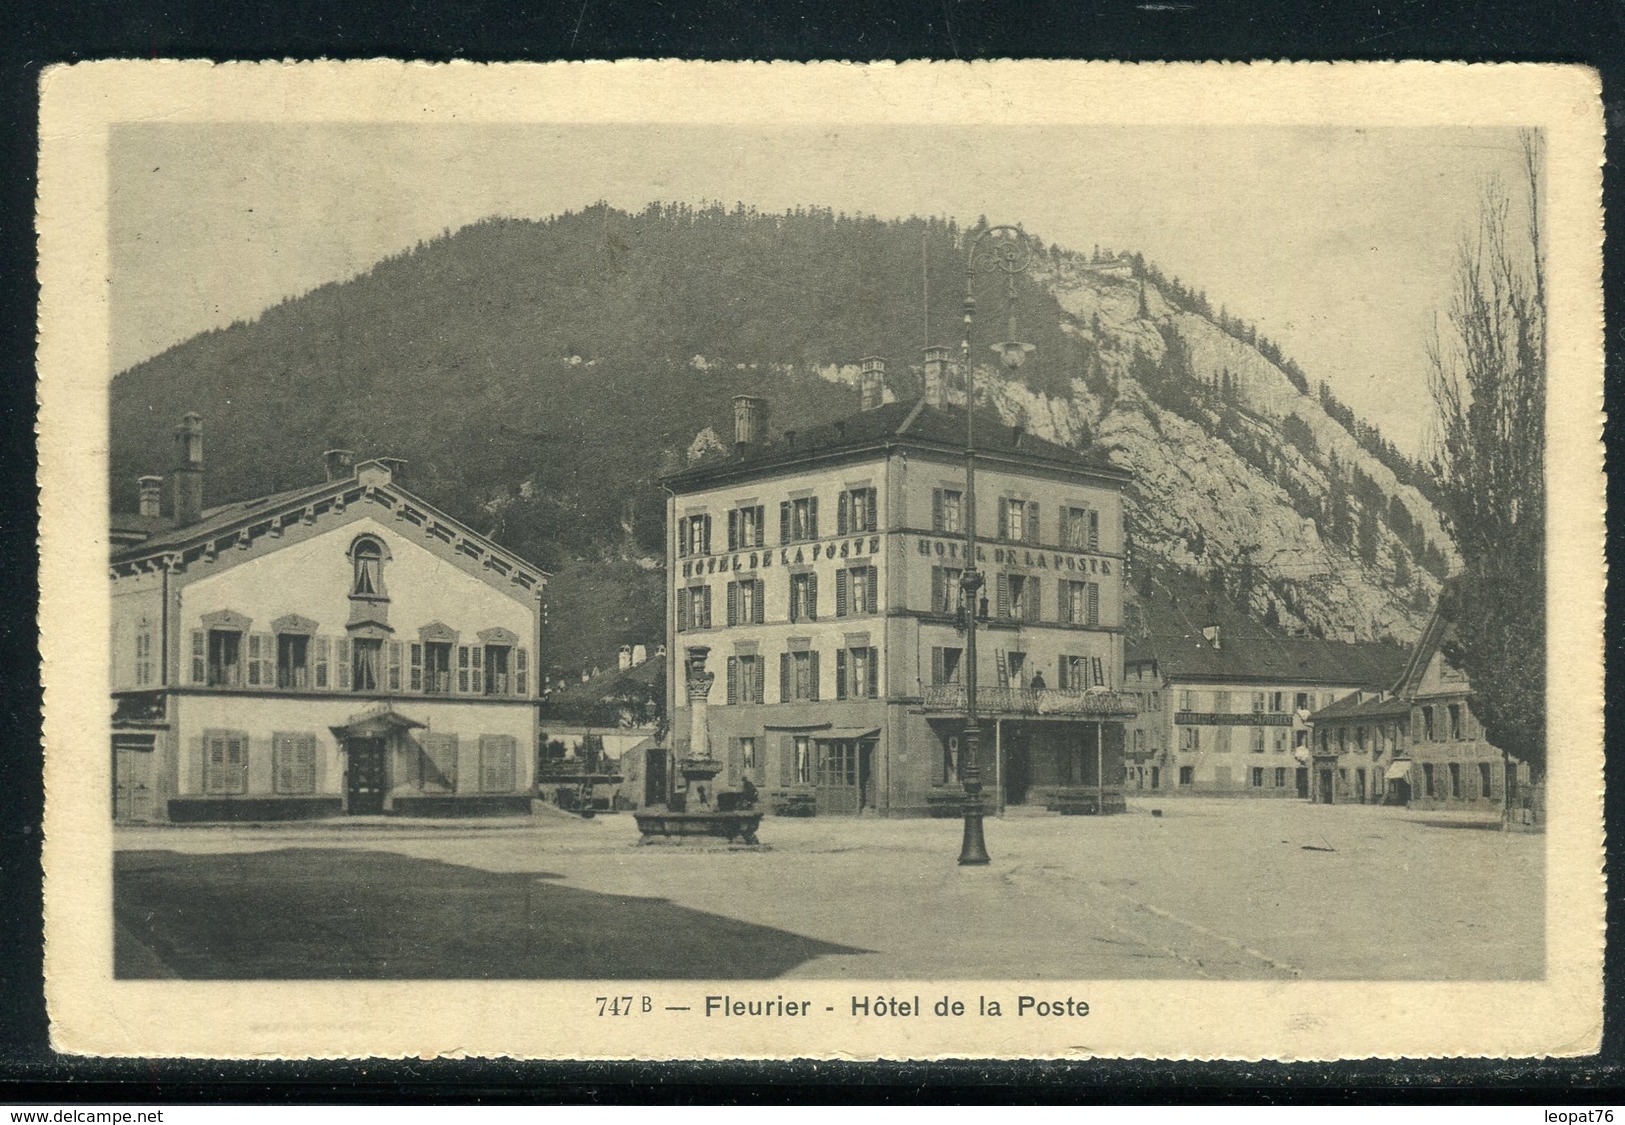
{"x": 396, "y": 467}
{"x": 936, "y": 376}
{"x": 186, "y": 482}
{"x": 871, "y": 383}
{"x": 1212, "y": 635}
{"x": 340, "y": 463}
{"x": 624, "y": 658}
{"x": 640, "y": 655}
{"x": 750, "y": 422}
{"x": 151, "y": 491}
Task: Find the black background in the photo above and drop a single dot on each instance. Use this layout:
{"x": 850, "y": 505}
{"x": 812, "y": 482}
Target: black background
{"x": 37, "y": 33}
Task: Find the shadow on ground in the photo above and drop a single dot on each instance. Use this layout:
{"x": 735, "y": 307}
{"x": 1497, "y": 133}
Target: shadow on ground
{"x": 326, "y": 914}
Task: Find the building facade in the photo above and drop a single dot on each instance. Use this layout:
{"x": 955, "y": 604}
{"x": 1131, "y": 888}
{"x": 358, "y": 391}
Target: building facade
{"x": 343, "y": 648}
{"x": 1417, "y": 741}
{"x": 823, "y": 569}
{"x": 1228, "y": 715}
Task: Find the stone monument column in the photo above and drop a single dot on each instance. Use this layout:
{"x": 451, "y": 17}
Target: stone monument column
{"x": 699, "y": 769}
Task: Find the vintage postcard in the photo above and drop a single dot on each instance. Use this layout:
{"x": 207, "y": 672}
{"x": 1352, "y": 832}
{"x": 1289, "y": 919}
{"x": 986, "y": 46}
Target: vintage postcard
{"x": 658, "y": 560}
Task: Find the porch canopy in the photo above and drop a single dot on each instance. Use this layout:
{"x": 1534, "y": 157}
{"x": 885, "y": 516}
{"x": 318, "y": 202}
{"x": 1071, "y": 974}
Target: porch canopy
{"x": 845, "y": 734}
{"x": 1398, "y": 770}
{"x": 375, "y": 724}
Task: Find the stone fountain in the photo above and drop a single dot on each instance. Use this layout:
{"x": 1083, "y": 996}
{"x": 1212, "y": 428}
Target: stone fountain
{"x": 695, "y": 810}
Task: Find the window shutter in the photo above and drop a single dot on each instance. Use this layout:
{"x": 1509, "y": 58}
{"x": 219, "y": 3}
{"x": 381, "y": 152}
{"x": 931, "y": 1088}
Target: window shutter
{"x": 812, "y": 676}
{"x": 756, "y": 605}
{"x": 1094, "y": 603}
{"x": 787, "y": 760}
{"x": 1034, "y": 607}
{"x": 200, "y": 651}
{"x": 840, "y": 673}
{"x": 784, "y": 677}
{"x": 254, "y": 660}
{"x": 874, "y": 673}
{"x": 1031, "y": 527}
{"x": 394, "y": 665}
{"x": 939, "y": 597}
{"x": 707, "y": 612}
{"x": 322, "y": 648}
{"x": 521, "y": 670}
{"x": 416, "y": 674}
{"x": 841, "y": 580}
{"x": 784, "y": 522}
{"x": 342, "y": 657}
{"x": 462, "y": 668}
{"x": 706, "y": 535}
{"x": 733, "y": 529}
{"x": 843, "y": 513}
{"x": 682, "y": 536}
{"x": 812, "y": 597}
{"x": 476, "y": 677}
{"x": 1060, "y": 673}
{"x": 683, "y": 600}
{"x": 939, "y": 668}
{"x": 874, "y": 510}
{"x": 872, "y": 578}
{"x": 733, "y": 603}
{"x": 936, "y": 509}
{"x": 1094, "y": 530}
{"x": 733, "y": 679}
{"x": 1003, "y": 608}
{"x": 1004, "y": 518}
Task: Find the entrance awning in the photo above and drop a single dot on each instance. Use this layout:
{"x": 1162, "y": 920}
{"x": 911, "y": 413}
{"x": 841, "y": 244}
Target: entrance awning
{"x": 1398, "y": 770}
{"x": 375, "y": 724}
{"x": 845, "y": 734}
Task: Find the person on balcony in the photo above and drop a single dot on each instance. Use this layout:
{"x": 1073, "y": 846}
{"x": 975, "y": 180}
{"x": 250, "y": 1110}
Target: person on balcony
{"x": 1038, "y": 683}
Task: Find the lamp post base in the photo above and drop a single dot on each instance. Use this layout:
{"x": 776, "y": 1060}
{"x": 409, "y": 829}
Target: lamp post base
{"x": 973, "y": 848}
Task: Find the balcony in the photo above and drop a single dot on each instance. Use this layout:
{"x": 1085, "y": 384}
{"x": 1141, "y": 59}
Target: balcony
{"x": 1095, "y": 703}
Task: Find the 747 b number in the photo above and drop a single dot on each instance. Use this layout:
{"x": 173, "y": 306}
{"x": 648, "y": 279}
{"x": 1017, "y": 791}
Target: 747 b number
{"x": 624, "y": 1005}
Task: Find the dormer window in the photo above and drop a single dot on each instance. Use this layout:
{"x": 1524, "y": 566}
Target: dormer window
{"x": 367, "y": 555}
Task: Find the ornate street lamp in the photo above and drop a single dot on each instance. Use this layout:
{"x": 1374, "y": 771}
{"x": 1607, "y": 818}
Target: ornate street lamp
{"x": 1005, "y": 249}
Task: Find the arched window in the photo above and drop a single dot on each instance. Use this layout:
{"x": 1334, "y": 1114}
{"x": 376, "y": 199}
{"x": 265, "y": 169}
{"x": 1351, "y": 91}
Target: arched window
{"x": 368, "y": 557}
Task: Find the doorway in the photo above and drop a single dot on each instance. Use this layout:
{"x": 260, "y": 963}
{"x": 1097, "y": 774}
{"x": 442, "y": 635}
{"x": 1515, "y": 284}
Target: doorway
{"x": 654, "y": 776}
{"x": 1017, "y": 767}
{"x": 866, "y": 776}
{"x": 132, "y": 776}
{"x": 1359, "y": 786}
{"x": 365, "y": 779}
{"x": 1327, "y": 788}
{"x": 838, "y": 790}
{"x": 1303, "y": 783}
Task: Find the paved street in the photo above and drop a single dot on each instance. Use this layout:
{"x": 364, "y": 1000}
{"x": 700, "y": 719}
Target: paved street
{"x": 1237, "y": 890}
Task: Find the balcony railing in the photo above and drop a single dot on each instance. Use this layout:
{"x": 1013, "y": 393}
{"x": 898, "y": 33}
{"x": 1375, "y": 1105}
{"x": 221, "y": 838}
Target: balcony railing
{"x": 1020, "y": 701}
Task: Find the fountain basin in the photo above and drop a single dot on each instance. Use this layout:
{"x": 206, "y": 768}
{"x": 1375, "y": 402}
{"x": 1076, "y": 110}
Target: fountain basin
{"x": 658, "y": 821}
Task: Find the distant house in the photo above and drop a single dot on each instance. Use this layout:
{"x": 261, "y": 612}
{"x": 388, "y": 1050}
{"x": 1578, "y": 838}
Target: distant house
{"x": 342, "y": 648}
{"x": 1226, "y": 714}
{"x": 1417, "y": 741}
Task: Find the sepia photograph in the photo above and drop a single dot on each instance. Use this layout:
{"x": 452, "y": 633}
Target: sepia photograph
{"x": 737, "y": 569}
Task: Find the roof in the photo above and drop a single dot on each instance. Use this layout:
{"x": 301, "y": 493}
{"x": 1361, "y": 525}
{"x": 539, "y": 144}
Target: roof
{"x": 1269, "y": 659}
{"x": 913, "y": 423}
{"x": 1438, "y": 627}
{"x": 166, "y": 534}
{"x": 1351, "y": 707}
{"x": 610, "y": 686}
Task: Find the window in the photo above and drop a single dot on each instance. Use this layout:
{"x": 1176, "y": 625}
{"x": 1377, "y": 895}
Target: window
{"x": 1427, "y": 778}
{"x": 1280, "y": 740}
{"x": 1018, "y": 597}
{"x": 367, "y": 556}
{"x": 1454, "y": 711}
{"x": 1190, "y": 740}
{"x": 798, "y": 676}
{"x": 1222, "y": 739}
{"x": 1277, "y": 702}
{"x": 745, "y": 527}
{"x": 366, "y": 664}
{"x": 225, "y": 762}
{"x": 745, "y": 602}
{"x": 855, "y": 511}
{"x": 946, "y": 507}
{"x": 1359, "y": 740}
{"x": 798, "y": 520}
{"x": 694, "y": 608}
{"x": 1455, "y": 780}
{"x": 1013, "y": 670}
{"x": 1257, "y": 745}
{"x": 857, "y": 673}
{"x": 437, "y": 765}
{"x": 143, "y": 655}
{"x": 801, "y": 762}
{"x": 1280, "y": 779}
{"x": 804, "y": 597}
{"x": 694, "y": 535}
{"x": 433, "y": 677}
{"x": 1484, "y": 780}
{"x": 1342, "y": 740}
{"x": 293, "y": 763}
{"x": 857, "y": 591}
{"x": 1082, "y": 529}
{"x": 838, "y": 763}
{"x": 946, "y": 594}
{"x": 497, "y": 753}
{"x": 497, "y": 667}
{"x": 1156, "y": 777}
{"x": 323, "y": 650}
{"x": 1072, "y": 673}
{"x": 1080, "y": 602}
{"x": 745, "y": 679}
{"x": 950, "y": 759}
{"x": 1258, "y": 702}
{"x": 1221, "y": 702}
{"x": 292, "y": 660}
{"x": 1187, "y": 701}
{"x": 1018, "y": 520}
{"x": 1300, "y": 701}
{"x": 945, "y": 665}
{"x": 1427, "y": 727}
{"x": 225, "y": 658}
{"x": 747, "y": 754}
{"x": 1258, "y": 778}
{"x": 1187, "y": 775}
